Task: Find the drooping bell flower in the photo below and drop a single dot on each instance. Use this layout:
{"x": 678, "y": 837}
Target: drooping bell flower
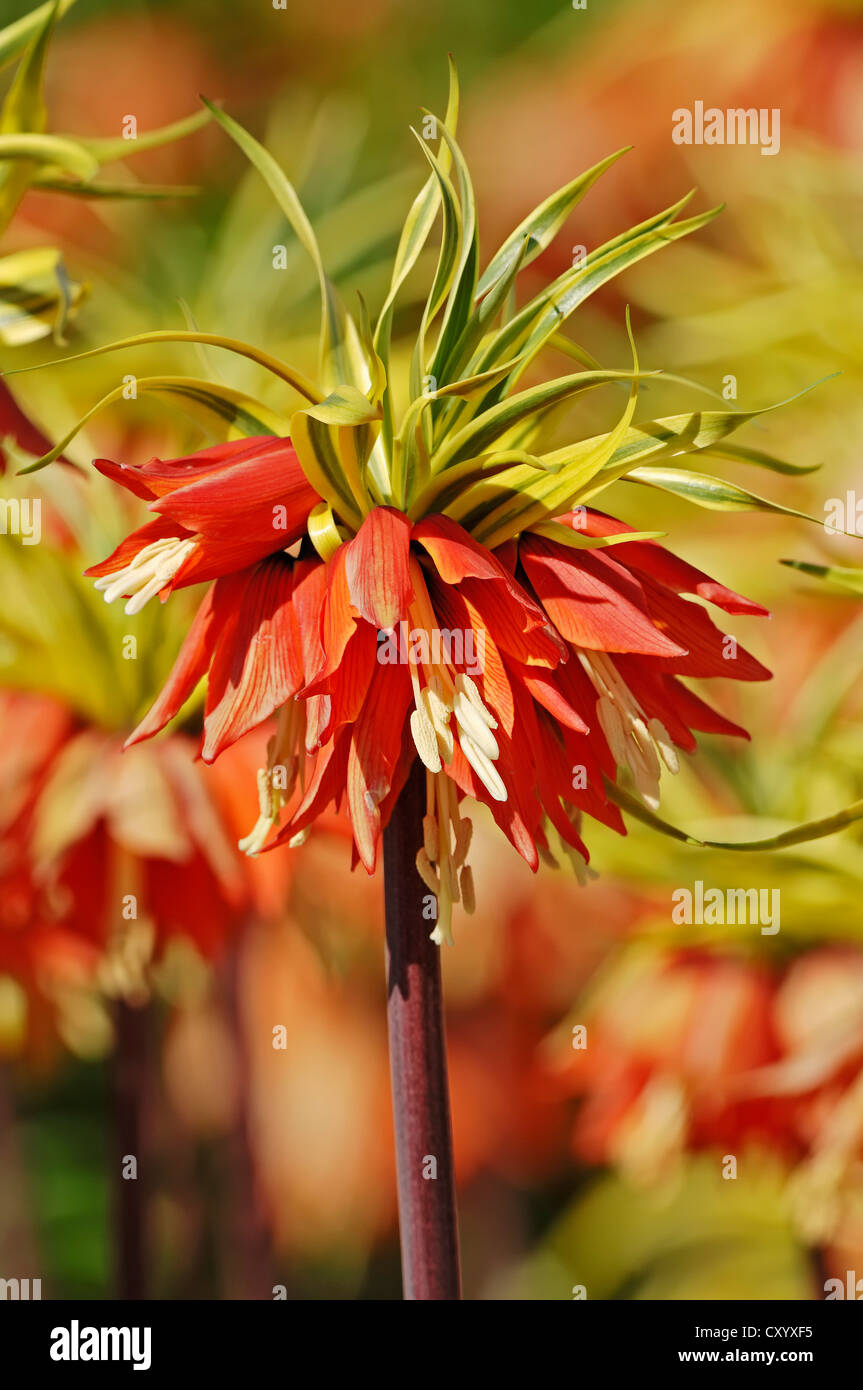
{"x": 674, "y": 1039}
{"x": 705, "y": 1050}
{"x": 415, "y": 641}
{"x": 442, "y": 598}
{"x": 216, "y": 513}
{"x": 128, "y": 853}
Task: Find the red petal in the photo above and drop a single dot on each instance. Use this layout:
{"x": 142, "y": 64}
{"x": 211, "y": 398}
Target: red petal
{"x": 458, "y": 556}
{"x": 546, "y": 690}
{"x": 705, "y": 644}
{"x": 375, "y": 746}
{"x": 656, "y": 694}
{"x": 338, "y": 623}
{"x": 457, "y": 613}
{"x": 247, "y": 509}
{"x": 592, "y": 601}
{"x": 349, "y": 684}
{"x": 127, "y": 549}
{"x": 591, "y": 752}
{"x": 661, "y": 565}
{"x": 699, "y": 715}
{"x": 319, "y": 720}
{"x": 377, "y": 568}
{"x": 257, "y": 663}
{"x": 162, "y": 476}
{"x": 190, "y": 667}
{"x": 309, "y": 594}
{"x": 504, "y": 617}
{"x": 131, "y": 478}
{"x": 326, "y": 785}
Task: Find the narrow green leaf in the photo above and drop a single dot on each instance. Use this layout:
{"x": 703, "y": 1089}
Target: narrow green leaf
{"x": 116, "y": 192}
{"x": 480, "y": 322}
{"x": 405, "y": 458}
{"x": 24, "y": 113}
{"x": 415, "y": 233}
{"x": 24, "y": 107}
{"x": 565, "y": 535}
{"x": 460, "y": 299}
{"x": 799, "y": 835}
{"x": 740, "y": 454}
{"x": 345, "y": 406}
{"x": 280, "y": 369}
{"x": 713, "y": 493}
{"x": 538, "y": 499}
{"x": 419, "y": 221}
{"x": 58, "y": 150}
{"x": 450, "y": 239}
{"x": 109, "y": 150}
{"x": 333, "y": 315}
{"x": 538, "y": 322}
{"x": 15, "y": 37}
{"x": 333, "y": 452}
{"x": 541, "y": 226}
{"x": 491, "y": 424}
{"x": 844, "y": 577}
{"x": 199, "y": 398}
{"x": 591, "y": 465}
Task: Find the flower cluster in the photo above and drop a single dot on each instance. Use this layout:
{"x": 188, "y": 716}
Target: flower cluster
{"x": 583, "y": 655}
{"x": 328, "y": 529}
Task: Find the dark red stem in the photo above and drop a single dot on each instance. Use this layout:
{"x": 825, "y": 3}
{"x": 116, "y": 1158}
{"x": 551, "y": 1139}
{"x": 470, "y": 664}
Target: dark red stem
{"x": 129, "y": 1086}
{"x": 418, "y": 1069}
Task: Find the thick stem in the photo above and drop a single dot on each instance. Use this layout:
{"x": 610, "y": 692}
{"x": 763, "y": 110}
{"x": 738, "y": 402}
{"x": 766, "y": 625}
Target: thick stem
{"x": 248, "y": 1256}
{"x": 18, "y": 1246}
{"x": 421, "y": 1115}
{"x": 130, "y": 1080}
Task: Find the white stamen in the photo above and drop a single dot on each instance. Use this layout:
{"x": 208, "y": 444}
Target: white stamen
{"x": 150, "y": 570}
{"x": 471, "y": 722}
{"x": 438, "y": 714}
{"x": 465, "y": 686}
{"x": 635, "y": 742}
{"x": 667, "y": 750}
{"x": 483, "y": 767}
{"x": 423, "y": 733}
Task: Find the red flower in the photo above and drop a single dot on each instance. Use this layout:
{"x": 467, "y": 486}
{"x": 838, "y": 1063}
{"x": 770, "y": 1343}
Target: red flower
{"x": 523, "y": 677}
{"x": 98, "y": 848}
{"x": 216, "y": 512}
{"x": 673, "y": 1041}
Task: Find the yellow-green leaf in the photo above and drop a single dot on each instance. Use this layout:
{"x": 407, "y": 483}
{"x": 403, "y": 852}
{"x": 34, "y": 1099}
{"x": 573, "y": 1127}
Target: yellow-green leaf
{"x": 201, "y": 399}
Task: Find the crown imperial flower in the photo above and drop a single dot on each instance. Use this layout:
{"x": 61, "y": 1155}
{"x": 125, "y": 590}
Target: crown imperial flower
{"x": 548, "y": 644}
